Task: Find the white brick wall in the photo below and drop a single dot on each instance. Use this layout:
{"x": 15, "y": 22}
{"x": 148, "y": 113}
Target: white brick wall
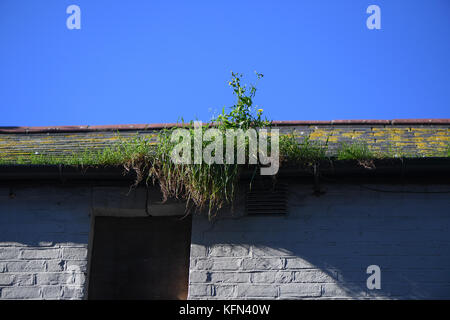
{"x": 322, "y": 248}
{"x": 43, "y": 243}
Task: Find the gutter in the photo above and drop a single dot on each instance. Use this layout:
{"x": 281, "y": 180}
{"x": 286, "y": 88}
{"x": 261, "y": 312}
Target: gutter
{"x": 412, "y": 169}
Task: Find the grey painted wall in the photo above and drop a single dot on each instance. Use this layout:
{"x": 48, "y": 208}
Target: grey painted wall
{"x": 44, "y": 236}
{"x": 322, "y": 248}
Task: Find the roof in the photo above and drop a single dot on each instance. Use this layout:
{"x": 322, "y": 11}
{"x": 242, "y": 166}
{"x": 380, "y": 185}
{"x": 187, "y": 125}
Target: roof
{"x": 399, "y": 137}
{"x": 133, "y": 127}
{"x": 421, "y": 140}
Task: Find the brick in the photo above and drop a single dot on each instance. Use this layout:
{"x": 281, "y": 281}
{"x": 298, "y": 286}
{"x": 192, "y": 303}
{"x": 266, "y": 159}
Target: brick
{"x": 75, "y": 278}
{"x": 225, "y": 250}
{"x": 75, "y": 253}
{"x": 313, "y": 276}
{"x": 263, "y": 277}
{"x": 200, "y": 290}
{"x": 52, "y": 278}
{"x": 55, "y": 265}
{"x": 271, "y": 277}
{"x": 197, "y": 251}
{"x": 298, "y": 263}
{"x": 9, "y": 253}
{"x": 24, "y": 279}
{"x": 202, "y": 264}
{"x": 284, "y": 277}
{"x": 300, "y": 290}
{"x": 257, "y": 291}
{"x": 226, "y": 264}
{"x": 25, "y": 266}
{"x": 40, "y": 254}
{"x": 6, "y": 279}
{"x": 76, "y": 265}
{"x": 198, "y": 276}
{"x": 21, "y": 293}
{"x": 223, "y": 291}
{"x": 254, "y": 264}
{"x": 229, "y": 277}
{"x": 73, "y": 292}
{"x": 52, "y": 292}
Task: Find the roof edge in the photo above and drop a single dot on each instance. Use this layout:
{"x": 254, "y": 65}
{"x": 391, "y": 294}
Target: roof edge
{"x": 155, "y": 126}
{"x": 432, "y": 167}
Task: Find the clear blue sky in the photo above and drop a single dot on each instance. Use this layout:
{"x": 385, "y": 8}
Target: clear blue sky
{"x": 156, "y": 61}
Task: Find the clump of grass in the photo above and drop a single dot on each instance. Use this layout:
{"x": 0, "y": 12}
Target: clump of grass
{"x": 306, "y": 151}
{"x": 359, "y": 151}
{"x": 205, "y": 187}
{"x": 445, "y": 152}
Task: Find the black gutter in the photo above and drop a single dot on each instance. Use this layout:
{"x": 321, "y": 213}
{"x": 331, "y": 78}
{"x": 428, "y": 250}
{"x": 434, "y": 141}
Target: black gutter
{"x": 412, "y": 169}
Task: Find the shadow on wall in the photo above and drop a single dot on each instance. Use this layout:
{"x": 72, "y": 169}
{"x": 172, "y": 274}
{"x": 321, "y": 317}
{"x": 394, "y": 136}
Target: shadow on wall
{"x": 326, "y": 243}
{"x": 44, "y": 216}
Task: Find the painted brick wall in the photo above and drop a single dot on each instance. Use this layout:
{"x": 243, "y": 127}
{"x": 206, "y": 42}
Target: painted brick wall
{"x": 43, "y": 242}
{"x": 323, "y": 247}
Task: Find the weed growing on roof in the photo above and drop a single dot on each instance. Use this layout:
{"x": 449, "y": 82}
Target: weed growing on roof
{"x": 203, "y": 186}
{"x": 360, "y": 151}
{"x": 306, "y": 151}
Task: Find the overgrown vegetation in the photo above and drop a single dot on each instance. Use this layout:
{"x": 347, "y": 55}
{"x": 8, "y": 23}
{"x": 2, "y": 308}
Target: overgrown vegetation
{"x": 207, "y": 187}
{"x": 118, "y": 154}
{"x": 359, "y": 151}
{"x": 355, "y": 151}
{"x": 203, "y": 186}
{"x": 306, "y": 151}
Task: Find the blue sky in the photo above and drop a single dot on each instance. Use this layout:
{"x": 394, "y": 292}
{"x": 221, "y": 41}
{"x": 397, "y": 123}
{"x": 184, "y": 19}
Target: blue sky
{"x": 157, "y": 61}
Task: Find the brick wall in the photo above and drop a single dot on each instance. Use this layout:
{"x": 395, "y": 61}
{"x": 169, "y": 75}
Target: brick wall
{"x": 43, "y": 242}
{"x": 322, "y": 248}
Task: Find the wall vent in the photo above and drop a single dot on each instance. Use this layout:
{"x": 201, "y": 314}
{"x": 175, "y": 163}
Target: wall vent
{"x": 267, "y": 200}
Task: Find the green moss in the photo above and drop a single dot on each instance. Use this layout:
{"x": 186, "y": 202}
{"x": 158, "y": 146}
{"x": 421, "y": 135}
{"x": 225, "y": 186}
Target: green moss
{"x": 117, "y": 154}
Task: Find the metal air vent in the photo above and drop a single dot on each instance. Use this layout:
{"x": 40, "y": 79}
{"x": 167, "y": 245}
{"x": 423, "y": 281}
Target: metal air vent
{"x": 267, "y": 200}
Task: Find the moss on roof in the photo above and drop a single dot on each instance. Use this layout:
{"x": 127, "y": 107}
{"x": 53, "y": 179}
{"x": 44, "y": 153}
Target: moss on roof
{"x": 97, "y": 147}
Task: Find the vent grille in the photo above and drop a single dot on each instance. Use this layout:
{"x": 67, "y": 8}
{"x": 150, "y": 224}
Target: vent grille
{"x": 267, "y": 200}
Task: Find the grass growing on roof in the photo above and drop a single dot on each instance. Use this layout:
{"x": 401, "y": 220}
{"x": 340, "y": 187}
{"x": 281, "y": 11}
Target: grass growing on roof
{"x": 358, "y": 150}
{"x": 206, "y": 187}
{"x": 306, "y": 151}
